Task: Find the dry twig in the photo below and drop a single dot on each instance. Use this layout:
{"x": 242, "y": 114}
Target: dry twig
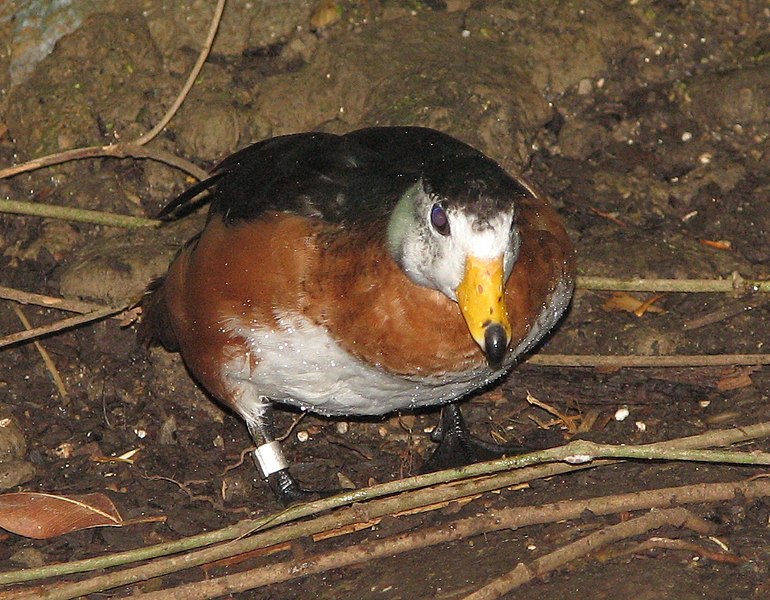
{"x": 82, "y": 215}
{"x": 632, "y": 360}
{"x": 134, "y": 149}
{"x": 736, "y": 284}
{"x": 724, "y": 313}
{"x": 280, "y": 527}
{"x": 23, "y": 297}
{"x": 36, "y": 332}
{"x": 523, "y": 573}
{"x": 47, "y": 360}
{"x": 493, "y": 520}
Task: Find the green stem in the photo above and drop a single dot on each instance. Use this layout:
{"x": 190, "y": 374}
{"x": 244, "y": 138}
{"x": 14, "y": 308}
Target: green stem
{"x": 75, "y": 214}
{"x": 682, "y": 448}
{"x": 735, "y": 284}
{"x": 637, "y": 361}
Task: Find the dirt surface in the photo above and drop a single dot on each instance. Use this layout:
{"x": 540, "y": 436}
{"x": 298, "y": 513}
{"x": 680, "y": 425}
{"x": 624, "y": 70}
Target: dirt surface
{"x": 648, "y": 122}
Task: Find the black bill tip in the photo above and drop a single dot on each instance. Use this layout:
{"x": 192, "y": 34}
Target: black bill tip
{"x": 495, "y": 345}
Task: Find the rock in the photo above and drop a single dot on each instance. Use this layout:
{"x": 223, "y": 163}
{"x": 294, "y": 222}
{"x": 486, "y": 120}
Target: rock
{"x": 14, "y": 470}
{"x": 579, "y": 139}
{"x": 14, "y": 473}
{"x": 208, "y": 129}
{"x": 119, "y": 268}
{"x": 738, "y": 97}
{"x": 12, "y": 442}
{"x": 57, "y": 109}
{"x": 29, "y": 558}
{"x": 399, "y": 75}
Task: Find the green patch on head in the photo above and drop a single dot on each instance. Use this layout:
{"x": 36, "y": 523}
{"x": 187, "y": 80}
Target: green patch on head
{"x": 403, "y": 219}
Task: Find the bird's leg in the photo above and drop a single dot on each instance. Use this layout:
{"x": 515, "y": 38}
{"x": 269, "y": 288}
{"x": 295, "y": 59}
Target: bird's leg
{"x": 456, "y": 446}
{"x": 269, "y": 457}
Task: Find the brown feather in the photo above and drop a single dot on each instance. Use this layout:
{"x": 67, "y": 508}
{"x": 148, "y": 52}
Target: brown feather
{"x": 155, "y": 326}
{"x": 344, "y": 281}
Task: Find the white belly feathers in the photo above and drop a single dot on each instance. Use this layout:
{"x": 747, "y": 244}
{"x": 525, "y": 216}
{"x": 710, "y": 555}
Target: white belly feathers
{"x": 301, "y": 365}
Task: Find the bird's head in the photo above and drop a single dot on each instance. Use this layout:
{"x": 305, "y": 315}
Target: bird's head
{"x": 455, "y": 231}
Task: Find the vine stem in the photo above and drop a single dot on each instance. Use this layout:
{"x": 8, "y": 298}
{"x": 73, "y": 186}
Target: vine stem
{"x": 81, "y": 215}
{"x": 735, "y": 284}
{"x": 390, "y": 498}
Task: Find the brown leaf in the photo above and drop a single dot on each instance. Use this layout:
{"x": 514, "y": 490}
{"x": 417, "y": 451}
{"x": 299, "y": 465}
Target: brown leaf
{"x": 736, "y": 379}
{"x": 609, "y": 216}
{"x": 42, "y": 516}
{"x": 130, "y": 316}
{"x": 627, "y": 302}
{"x": 718, "y": 244}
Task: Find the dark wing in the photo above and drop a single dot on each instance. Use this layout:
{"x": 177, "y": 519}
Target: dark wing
{"x": 356, "y": 177}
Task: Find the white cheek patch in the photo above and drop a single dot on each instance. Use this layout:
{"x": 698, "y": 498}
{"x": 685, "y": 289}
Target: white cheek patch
{"x": 490, "y": 242}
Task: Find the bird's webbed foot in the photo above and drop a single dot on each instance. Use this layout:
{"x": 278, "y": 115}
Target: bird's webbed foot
{"x": 457, "y": 448}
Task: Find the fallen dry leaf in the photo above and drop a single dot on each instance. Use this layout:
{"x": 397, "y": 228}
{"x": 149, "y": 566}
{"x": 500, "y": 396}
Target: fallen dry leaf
{"x": 736, "y": 379}
{"x": 626, "y": 302}
{"x": 130, "y": 316}
{"x": 568, "y": 422}
{"x": 126, "y": 457}
{"x": 609, "y": 216}
{"x": 41, "y": 516}
{"x": 718, "y": 244}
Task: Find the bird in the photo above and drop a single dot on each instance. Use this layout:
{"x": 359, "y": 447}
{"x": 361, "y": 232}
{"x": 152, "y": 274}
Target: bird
{"x": 356, "y": 275}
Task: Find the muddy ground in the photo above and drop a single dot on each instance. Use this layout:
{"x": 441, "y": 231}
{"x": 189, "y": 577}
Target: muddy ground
{"x": 647, "y": 122}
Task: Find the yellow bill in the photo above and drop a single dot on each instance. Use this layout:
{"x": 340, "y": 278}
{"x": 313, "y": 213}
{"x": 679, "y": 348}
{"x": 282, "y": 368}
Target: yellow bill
{"x": 482, "y": 302}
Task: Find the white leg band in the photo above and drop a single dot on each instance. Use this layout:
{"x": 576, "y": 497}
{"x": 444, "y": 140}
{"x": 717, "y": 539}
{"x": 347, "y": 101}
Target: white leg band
{"x": 270, "y": 459}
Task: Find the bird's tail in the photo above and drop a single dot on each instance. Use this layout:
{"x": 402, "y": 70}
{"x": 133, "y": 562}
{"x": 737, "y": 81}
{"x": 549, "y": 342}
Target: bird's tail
{"x": 155, "y": 326}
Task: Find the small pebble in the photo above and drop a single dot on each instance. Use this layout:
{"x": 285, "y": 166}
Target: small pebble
{"x": 303, "y": 436}
{"x": 64, "y": 450}
{"x": 342, "y": 427}
{"x": 584, "y": 87}
{"x": 622, "y": 413}
{"x": 641, "y": 426}
{"x": 345, "y": 482}
{"x": 686, "y": 136}
{"x": 29, "y": 558}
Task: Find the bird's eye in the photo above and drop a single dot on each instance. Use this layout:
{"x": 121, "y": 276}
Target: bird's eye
{"x": 439, "y": 219}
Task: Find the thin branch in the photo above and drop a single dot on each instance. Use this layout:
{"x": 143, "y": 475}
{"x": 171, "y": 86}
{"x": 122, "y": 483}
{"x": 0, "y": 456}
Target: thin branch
{"x": 523, "y": 573}
{"x": 136, "y": 149}
{"x": 735, "y": 284}
{"x": 724, "y": 313}
{"x": 279, "y": 527}
{"x": 124, "y": 150}
{"x": 489, "y": 521}
{"x": 674, "y": 544}
{"x": 619, "y": 361}
{"x": 23, "y": 297}
{"x": 37, "y": 332}
{"x": 81, "y": 215}
{"x": 204, "y": 53}
{"x": 47, "y": 360}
